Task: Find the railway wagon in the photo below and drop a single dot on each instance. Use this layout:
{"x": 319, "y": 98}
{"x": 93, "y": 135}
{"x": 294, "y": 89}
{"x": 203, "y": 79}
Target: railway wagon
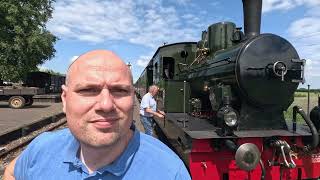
{"x": 51, "y": 83}
{"x": 224, "y": 98}
{"x": 18, "y": 96}
{"x": 165, "y": 65}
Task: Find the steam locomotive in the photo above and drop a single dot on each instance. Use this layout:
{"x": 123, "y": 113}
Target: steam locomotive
{"x": 224, "y": 99}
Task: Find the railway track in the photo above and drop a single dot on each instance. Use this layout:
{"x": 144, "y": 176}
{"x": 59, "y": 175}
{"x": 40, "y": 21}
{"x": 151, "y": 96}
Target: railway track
{"x": 15, "y": 142}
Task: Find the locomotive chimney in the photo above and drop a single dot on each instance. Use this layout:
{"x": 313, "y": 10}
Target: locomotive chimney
{"x": 252, "y": 17}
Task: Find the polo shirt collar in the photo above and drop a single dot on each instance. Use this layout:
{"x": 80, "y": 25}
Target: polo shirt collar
{"x": 118, "y": 167}
{"x": 71, "y": 151}
{"x": 123, "y": 162}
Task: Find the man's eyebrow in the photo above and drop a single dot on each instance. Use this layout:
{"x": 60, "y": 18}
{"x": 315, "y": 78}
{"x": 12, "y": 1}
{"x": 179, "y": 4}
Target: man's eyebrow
{"x": 86, "y": 85}
{"x": 93, "y": 85}
{"x": 124, "y": 86}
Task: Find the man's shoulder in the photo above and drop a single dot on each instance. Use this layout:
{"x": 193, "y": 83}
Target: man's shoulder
{"x": 158, "y": 159}
{"x": 48, "y": 137}
{"x": 152, "y": 147}
{"x": 146, "y": 96}
{"x": 145, "y": 100}
{"x": 50, "y": 140}
{"x": 45, "y": 152}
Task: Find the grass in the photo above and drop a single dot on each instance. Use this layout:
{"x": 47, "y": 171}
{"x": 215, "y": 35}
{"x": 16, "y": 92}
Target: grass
{"x": 300, "y": 94}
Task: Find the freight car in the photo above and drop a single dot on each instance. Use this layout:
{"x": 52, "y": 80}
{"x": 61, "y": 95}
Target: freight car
{"x": 18, "y": 96}
{"x": 224, "y": 99}
{"x": 50, "y": 82}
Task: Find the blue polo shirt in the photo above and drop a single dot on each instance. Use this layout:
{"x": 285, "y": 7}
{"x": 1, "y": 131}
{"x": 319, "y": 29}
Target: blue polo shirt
{"x": 148, "y": 102}
{"x": 54, "y": 156}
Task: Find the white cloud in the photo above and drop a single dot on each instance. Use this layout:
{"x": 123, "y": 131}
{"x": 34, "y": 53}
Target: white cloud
{"x": 305, "y": 27}
{"x": 142, "y": 63}
{"x": 182, "y": 2}
{"x": 215, "y": 4}
{"x": 73, "y": 58}
{"x": 193, "y": 19}
{"x": 93, "y": 21}
{"x": 271, "y": 5}
{"x": 143, "y": 60}
{"x": 148, "y": 23}
{"x": 305, "y": 35}
{"x": 61, "y": 30}
{"x": 314, "y": 11}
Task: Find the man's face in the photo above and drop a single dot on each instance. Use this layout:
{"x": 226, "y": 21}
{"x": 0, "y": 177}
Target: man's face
{"x": 98, "y": 101}
{"x": 155, "y": 91}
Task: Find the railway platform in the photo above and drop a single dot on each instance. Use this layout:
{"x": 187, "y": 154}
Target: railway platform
{"x": 136, "y": 115}
{"x": 13, "y": 119}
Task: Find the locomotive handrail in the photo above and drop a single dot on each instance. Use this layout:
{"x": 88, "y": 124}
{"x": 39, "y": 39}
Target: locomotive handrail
{"x": 313, "y": 129}
{"x": 263, "y": 170}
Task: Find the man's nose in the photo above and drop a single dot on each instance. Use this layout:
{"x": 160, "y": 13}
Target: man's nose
{"x": 105, "y": 101}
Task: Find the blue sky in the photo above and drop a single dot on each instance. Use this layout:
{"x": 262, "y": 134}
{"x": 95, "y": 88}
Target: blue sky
{"x": 134, "y": 29}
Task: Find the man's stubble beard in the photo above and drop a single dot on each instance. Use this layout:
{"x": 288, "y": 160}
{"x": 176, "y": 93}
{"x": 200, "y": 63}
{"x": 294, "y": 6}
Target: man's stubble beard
{"x": 96, "y": 138}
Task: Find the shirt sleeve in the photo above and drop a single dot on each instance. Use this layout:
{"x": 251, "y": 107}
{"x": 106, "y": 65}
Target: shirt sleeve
{"x": 26, "y": 159}
{"x": 182, "y": 173}
{"x": 145, "y": 102}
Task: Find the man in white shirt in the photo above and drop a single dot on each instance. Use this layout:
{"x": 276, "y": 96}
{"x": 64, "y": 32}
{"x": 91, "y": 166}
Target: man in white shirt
{"x": 148, "y": 109}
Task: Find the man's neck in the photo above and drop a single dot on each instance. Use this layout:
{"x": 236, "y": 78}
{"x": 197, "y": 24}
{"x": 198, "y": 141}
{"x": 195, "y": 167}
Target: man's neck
{"x": 94, "y": 158}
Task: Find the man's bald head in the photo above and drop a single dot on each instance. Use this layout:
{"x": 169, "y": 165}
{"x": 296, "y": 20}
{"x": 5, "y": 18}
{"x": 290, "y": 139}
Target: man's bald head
{"x": 153, "y": 89}
{"x": 98, "y": 99}
{"x": 96, "y": 55}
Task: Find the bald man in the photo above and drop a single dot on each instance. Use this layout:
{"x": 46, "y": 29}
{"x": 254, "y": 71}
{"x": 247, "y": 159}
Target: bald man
{"x": 101, "y": 142}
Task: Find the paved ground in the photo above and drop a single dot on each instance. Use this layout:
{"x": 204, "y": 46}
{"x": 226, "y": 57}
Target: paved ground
{"x": 13, "y": 118}
{"x": 136, "y": 116}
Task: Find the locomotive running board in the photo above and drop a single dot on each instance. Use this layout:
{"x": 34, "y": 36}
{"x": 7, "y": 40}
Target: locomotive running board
{"x": 198, "y": 128}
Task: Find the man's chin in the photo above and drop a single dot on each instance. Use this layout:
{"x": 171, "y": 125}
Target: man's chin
{"x": 103, "y": 142}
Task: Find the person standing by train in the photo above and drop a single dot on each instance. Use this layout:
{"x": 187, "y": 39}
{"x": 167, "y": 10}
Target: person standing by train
{"x": 101, "y": 141}
{"x": 148, "y": 109}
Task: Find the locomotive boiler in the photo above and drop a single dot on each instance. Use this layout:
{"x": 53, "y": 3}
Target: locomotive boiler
{"x": 224, "y": 99}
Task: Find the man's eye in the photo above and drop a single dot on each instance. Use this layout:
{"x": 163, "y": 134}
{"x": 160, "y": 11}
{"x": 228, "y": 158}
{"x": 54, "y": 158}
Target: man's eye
{"x": 89, "y": 91}
{"x": 120, "y": 92}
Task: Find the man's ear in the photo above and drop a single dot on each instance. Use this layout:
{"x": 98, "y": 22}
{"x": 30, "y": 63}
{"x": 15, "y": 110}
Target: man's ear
{"x": 63, "y": 97}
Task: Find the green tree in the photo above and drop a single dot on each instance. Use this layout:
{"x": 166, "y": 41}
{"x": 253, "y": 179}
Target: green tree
{"x": 24, "y": 40}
